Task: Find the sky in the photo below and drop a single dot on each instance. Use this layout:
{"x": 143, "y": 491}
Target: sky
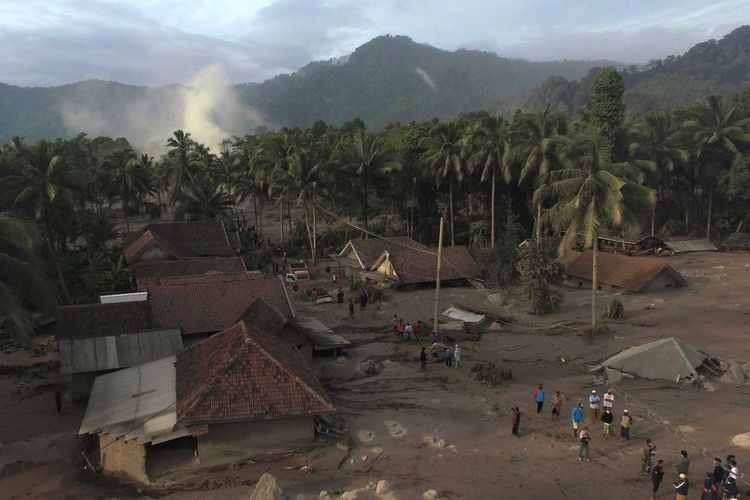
{"x": 158, "y": 42}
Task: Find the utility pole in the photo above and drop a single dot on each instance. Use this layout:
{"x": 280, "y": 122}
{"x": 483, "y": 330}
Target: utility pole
{"x": 436, "y": 324}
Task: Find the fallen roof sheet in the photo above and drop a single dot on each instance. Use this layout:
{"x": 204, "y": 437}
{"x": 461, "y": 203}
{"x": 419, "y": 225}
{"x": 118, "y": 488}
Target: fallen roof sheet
{"x": 663, "y": 359}
{"x": 114, "y": 352}
{"x": 684, "y": 246}
{"x": 319, "y": 334}
{"x": 137, "y": 402}
{"x": 631, "y": 273}
{"x": 463, "y": 315}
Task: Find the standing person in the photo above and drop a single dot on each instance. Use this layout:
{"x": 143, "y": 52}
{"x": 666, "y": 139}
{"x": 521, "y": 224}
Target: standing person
{"x": 609, "y": 400}
{"x": 340, "y": 296}
{"x": 457, "y": 355}
{"x": 576, "y": 415}
{"x": 58, "y": 402}
{"x": 351, "y": 308}
{"x": 423, "y": 358}
{"x": 448, "y": 357}
{"x": 556, "y": 404}
{"x": 408, "y": 332}
{"x": 595, "y": 405}
{"x": 418, "y": 331}
{"x": 401, "y": 328}
{"x": 683, "y": 464}
{"x": 583, "y": 448}
{"x": 363, "y": 300}
{"x": 681, "y": 487}
{"x": 334, "y": 279}
{"x": 625, "y": 424}
{"x": 731, "y": 482}
{"x": 718, "y": 474}
{"x": 539, "y": 398}
{"x": 607, "y": 418}
{"x": 351, "y": 282}
{"x": 657, "y": 474}
{"x": 648, "y": 451}
{"x": 516, "y": 420}
{"x": 394, "y": 322}
{"x": 708, "y": 487}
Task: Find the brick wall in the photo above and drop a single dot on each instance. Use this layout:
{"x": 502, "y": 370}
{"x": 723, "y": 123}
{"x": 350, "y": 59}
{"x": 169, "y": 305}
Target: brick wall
{"x": 126, "y": 459}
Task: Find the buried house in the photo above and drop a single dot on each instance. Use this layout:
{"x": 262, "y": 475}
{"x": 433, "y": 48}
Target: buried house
{"x": 634, "y": 274}
{"x": 236, "y": 394}
{"x": 360, "y": 254}
{"x": 668, "y": 359}
{"x": 418, "y": 266}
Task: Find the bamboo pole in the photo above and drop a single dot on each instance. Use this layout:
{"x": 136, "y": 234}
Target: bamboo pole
{"x": 436, "y": 312}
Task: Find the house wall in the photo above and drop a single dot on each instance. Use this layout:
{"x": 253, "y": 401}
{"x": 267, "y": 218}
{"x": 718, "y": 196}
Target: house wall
{"x": 231, "y": 441}
{"x": 125, "y": 459}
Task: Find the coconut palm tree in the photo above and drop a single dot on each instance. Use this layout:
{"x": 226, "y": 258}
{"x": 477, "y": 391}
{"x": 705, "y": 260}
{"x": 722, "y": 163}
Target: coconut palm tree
{"x": 540, "y": 141}
{"x": 490, "y": 138}
{"x": 715, "y": 129}
{"x": 181, "y": 160}
{"x": 654, "y": 139}
{"x": 23, "y": 286}
{"x": 446, "y": 159}
{"x": 366, "y": 157}
{"x": 202, "y": 198}
{"x": 127, "y": 178}
{"x": 590, "y": 193}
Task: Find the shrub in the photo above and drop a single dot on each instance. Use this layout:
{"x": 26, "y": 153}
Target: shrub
{"x": 539, "y": 268}
{"x": 615, "y": 310}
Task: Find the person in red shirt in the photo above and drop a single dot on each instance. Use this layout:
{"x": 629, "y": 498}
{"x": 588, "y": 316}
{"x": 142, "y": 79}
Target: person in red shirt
{"x": 516, "y": 420}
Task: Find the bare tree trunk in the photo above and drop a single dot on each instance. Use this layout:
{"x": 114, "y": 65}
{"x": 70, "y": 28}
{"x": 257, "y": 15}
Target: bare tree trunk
{"x": 653, "y": 220}
{"x": 309, "y": 230}
{"x": 314, "y": 235}
{"x": 255, "y": 212}
{"x": 710, "y": 206}
{"x": 492, "y": 212}
{"x": 594, "y": 286}
{"x": 450, "y": 206}
{"x": 538, "y": 232}
{"x": 289, "y": 217}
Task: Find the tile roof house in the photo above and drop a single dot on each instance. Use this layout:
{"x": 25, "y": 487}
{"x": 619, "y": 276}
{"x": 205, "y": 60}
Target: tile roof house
{"x": 181, "y": 240}
{"x": 311, "y": 337}
{"x": 212, "y": 302}
{"x": 237, "y": 393}
{"x": 361, "y": 254}
{"x": 635, "y": 274}
{"x": 98, "y": 338}
{"x": 147, "y": 272}
{"x": 413, "y": 266}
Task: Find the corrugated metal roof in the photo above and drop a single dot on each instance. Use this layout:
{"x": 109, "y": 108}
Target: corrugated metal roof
{"x": 117, "y": 351}
{"x": 143, "y": 394}
{"x": 663, "y": 359}
{"x": 684, "y": 246}
{"x": 463, "y": 315}
{"x": 321, "y": 336}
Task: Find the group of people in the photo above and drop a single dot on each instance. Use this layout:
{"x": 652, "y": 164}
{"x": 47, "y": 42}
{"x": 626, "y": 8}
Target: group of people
{"x": 405, "y": 330}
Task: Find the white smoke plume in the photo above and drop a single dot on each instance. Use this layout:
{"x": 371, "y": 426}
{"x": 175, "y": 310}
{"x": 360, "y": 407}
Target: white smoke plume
{"x": 426, "y": 77}
{"x": 207, "y": 107}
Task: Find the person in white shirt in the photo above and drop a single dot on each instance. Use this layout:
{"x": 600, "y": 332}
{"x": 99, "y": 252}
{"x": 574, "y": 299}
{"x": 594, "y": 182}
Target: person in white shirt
{"x": 595, "y": 405}
{"x": 609, "y": 400}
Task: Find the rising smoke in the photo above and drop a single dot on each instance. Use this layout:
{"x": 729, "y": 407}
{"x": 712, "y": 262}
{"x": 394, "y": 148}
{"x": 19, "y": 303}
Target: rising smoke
{"x": 206, "y": 106}
{"x": 426, "y": 78}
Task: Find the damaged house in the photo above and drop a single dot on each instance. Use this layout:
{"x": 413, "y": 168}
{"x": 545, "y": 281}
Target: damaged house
{"x": 236, "y": 394}
{"x": 360, "y": 254}
{"x": 418, "y": 266}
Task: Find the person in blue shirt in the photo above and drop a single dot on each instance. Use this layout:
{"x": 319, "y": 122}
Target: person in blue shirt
{"x": 448, "y": 357}
{"x": 539, "y": 398}
{"x": 576, "y": 415}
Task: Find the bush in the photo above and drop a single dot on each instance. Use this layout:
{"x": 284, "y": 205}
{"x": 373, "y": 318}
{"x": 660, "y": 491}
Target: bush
{"x": 615, "y": 310}
{"x": 499, "y": 264}
{"x": 538, "y": 268}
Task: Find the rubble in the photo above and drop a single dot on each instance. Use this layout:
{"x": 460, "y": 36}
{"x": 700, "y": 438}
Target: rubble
{"x": 490, "y": 374}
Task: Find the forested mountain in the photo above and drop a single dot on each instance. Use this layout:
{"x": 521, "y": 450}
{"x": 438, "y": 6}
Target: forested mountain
{"x": 388, "y": 79}
{"x": 712, "y": 67}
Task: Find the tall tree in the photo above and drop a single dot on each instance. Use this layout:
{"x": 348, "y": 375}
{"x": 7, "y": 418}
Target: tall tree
{"x": 607, "y": 109}
{"x": 23, "y": 286}
{"x": 127, "y": 178}
{"x": 715, "y": 130}
{"x": 589, "y": 193}
{"x": 203, "y": 197}
{"x": 180, "y": 148}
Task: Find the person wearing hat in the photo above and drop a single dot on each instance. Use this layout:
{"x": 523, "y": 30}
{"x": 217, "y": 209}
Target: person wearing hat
{"x": 625, "y": 424}
{"x": 595, "y": 405}
{"x": 608, "y": 401}
{"x": 681, "y": 487}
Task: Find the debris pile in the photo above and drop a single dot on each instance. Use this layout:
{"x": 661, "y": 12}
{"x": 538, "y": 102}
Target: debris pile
{"x": 490, "y": 374}
{"x": 330, "y": 425}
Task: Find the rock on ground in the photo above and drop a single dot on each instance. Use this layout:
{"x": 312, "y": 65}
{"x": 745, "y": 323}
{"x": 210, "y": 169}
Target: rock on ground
{"x": 383, "y": 487}
{"x": 430, "y": 495}
{"x": 742, "y": 440}
{"x": 267, "y": 489}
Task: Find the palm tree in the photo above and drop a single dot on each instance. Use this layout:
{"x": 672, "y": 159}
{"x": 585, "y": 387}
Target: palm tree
{"x": 445, "y": 158}
{"x": 302, "y": 178}
{"x": 653, "y": 139}
{"x": 714, "y": 130}
{"x": 127, "y": 178}
{"x": 490, "y": 136}
{"x": 44, "y": 182}
{"x": 181, "y": 159}
{"x": 22, "y": 284}
{"x": 202, "y": 198}
{"x": 590, "y": 193}
{"x": 541, "y": 139}
{"x": 366, "y": 157}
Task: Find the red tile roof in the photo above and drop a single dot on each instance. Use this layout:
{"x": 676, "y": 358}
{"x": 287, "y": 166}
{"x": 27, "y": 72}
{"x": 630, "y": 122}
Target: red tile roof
{"x": 243, "y": 374}
{"x": 152, "y": 272}
{"x": 182, "y": 240}
{"x": 212, "y": 302}
{"x": 415, "y": 266}
{"x": 101, "y": 320}
{"x": 631, "y": 273}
